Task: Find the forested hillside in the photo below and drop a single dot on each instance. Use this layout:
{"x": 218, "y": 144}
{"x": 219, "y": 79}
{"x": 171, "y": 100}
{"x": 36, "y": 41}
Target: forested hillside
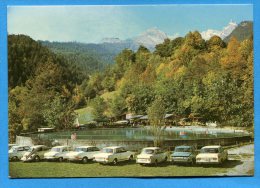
{"x": 188, "y": 74}
{"x": 42, "y": 87}
{"x": 89, "y": 57}
{"x": 191, "y": 75}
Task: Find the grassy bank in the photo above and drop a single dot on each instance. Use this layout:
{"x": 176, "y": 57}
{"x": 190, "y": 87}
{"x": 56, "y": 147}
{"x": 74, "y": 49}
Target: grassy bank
{"x": 124, "y": 169}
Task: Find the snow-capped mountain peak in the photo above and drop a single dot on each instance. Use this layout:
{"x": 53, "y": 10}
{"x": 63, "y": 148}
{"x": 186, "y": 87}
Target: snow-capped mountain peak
{"x": 221, "y": 33}
{"x": 150, "y": 37}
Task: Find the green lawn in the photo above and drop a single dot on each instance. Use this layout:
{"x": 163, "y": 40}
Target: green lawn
{"x": 84, "y": 115}
{"x": 124, "y": 169}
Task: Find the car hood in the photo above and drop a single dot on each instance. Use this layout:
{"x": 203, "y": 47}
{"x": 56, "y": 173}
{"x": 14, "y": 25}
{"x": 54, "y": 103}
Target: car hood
{"x": 144, "y": 156}
{"x": 51, "y": 153}
{"x": 207, "y": 155}
{"x": 181, "y": 154}
{"x": 103, "y": 154}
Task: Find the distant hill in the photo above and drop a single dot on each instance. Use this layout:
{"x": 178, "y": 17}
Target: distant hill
{"x": 243, "y": 31}
{"x": 91, "y": 56}
{"x": 95, "y": 57}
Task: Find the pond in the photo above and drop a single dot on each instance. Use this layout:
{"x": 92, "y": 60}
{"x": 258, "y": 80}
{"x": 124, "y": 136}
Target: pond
{"x": 142, "y": 134}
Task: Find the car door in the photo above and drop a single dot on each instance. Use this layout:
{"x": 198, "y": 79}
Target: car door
{"x": 92, "y": 151}
{"x": 124, "y": 154}
{"x": 21, "y": 151}
{"x": 43, "y": 150}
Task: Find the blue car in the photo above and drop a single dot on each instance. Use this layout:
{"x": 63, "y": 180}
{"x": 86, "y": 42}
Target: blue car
{"x": 184, "y": 154}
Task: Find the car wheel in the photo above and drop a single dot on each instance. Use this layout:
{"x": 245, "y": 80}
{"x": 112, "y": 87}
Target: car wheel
{"x": 131, "y": 158}
{"x": 84, "y": 160}
{"x": 115, "y": 161}
{"x": 60, "y": 159}
{"x": 15, "y": 158}
{"x": 155, "y": 162}
{"x": 37, "y": 158}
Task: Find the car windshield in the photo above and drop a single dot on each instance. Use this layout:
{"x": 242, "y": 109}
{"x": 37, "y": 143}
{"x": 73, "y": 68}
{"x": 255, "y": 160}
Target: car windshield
{"x": 56, "y": 149}
{"x": 182, "y": 150}
{"x": 80, "y": 149}
{"x": 209, "y": 150}
{"x": 107, "y": 150}
{"x": 148, "y": 151}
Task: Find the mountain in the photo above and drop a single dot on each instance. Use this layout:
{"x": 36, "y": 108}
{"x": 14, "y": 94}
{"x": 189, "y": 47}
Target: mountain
{"x": 111, "y": 40}
{"x": 243, "y": 31}
{"x": 92, "y": 57}
{"x": 149, "y": 38}
{"x": 227, "y": 30}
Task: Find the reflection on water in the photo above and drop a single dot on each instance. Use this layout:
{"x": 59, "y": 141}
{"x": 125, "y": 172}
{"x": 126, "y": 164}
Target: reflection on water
{"x": 139, "y": 134}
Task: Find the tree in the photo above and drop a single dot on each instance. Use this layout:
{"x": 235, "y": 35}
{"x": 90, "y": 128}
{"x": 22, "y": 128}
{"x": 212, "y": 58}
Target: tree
{"x": 58, "y": 114}
{"x": 156, "y": 114}
{"x": 98, "y": 104}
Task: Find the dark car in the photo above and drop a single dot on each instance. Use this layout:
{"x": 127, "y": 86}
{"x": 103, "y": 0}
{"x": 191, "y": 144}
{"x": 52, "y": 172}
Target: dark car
{"x": 184, "y": 154}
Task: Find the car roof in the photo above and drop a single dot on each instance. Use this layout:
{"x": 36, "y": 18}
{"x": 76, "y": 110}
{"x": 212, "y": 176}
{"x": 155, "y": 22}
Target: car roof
{"x": 37, "y": 146}
{"x": 20, "y": 146}
{"x": 61, "y": 147}
{"x": 85, "y": 146}
{"x": 183, "y": 146}
{"x": 114, "y": 147}
{"x": 211, "y": 147}
{"x": 152, "y": 148}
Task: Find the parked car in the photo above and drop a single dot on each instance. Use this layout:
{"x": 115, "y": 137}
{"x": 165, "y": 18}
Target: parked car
{"x": 151, "y": 155}
{"x": 57, "y": 153}
{"x": 17, "y": 152}
{"x": 113, "y": 155}
{"x": 184, "y": 154}
{"x": 82, "y": 153}
{"x": 211, "y": 155}
{"x": 35, "y": 153}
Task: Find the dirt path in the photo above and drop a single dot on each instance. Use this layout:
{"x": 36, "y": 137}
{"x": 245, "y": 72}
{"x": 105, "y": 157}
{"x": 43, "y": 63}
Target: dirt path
{"x": 245, "y": 155}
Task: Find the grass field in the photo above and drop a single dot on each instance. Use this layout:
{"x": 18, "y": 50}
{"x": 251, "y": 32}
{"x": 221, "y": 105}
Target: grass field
{"x": 84, "y": 115}
{"x": 124, "y": 169}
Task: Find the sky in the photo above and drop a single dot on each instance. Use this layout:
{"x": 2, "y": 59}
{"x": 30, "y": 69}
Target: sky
{"x": 90, "y": 24}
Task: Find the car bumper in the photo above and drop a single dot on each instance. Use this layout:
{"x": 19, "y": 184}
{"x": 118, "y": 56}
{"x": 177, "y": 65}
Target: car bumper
{"x": 207, "y": 162}
{"x": 181, "y": 159}
{"x": 143, "y": 161}
{"x": 50, "y": 158}
{"x": 74, "y": 159}
{"x": 102, "y": 160}
{"x": 26, "y": 159}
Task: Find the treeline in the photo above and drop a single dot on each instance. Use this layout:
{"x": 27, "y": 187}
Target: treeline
{"x": 189, "y": 74}
{"x": 42, "y": 87}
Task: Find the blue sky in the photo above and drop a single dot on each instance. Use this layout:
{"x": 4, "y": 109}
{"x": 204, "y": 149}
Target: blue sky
{"x": 92, "y": 23}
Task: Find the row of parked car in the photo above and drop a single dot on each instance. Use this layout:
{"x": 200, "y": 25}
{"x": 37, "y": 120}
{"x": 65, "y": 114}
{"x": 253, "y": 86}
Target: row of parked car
{"x": 114, "y": 154}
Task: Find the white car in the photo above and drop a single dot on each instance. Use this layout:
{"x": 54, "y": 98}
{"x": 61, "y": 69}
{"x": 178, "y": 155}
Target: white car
{"x": 57, "y": 153}
{"x": 17, "y": 152}
{"x": 113, "y": 155}
{"x": 211, "y": 155}
{"x": 35, "y": 153}
{"x": 82, "y": 153}
{"x": 151, "y": 155}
